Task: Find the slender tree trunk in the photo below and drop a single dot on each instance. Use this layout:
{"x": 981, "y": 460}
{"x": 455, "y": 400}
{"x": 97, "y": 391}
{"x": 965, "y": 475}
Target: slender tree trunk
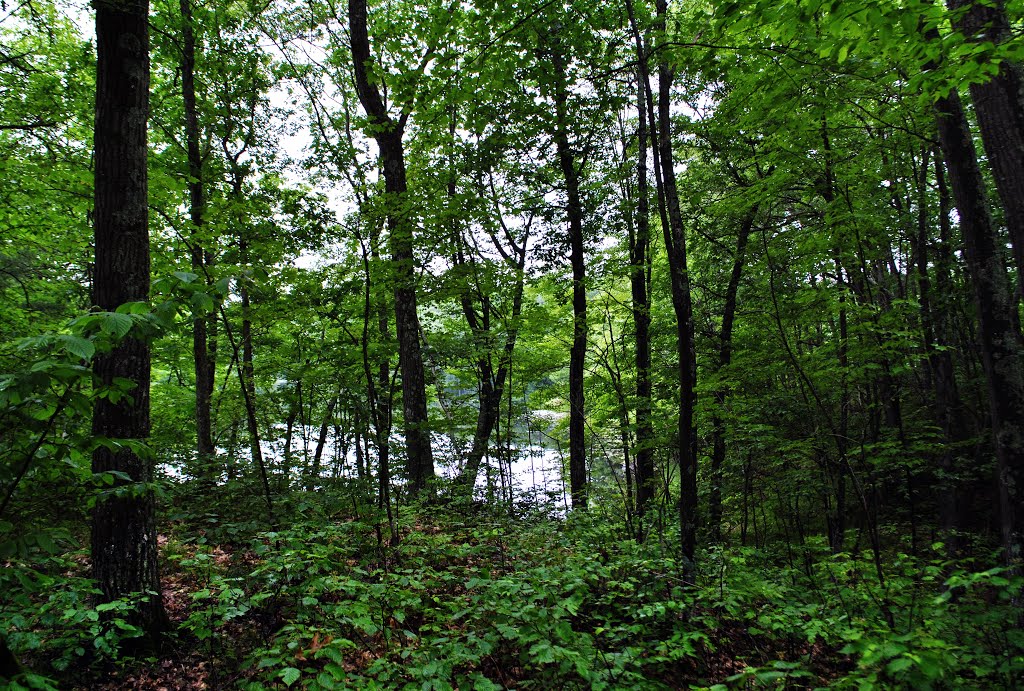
{"x": 314, "y": 472}
{"x": 675, "y": 241}
{"x": 747, "y": 493}
{"x": 935, "y": 331}
{"x": 388, "y": 133}
{"x": 639, "y": 280}
{"x": 360, "y": 457}
{"x": 724, "y": 360}
{"x": 204, "y": 367}
{"x": 837, "y": 469}
{"x": 1000, "y": 349}
{"x": 491, "y": 383}
{"x": 578, "y": 353}
{"x": 378, "y": 385}
{"x": 294, "y": 407}
{"x": 124, "y": 546}
{"x": 610, "y": 360}
{"x": 246, "y": 366}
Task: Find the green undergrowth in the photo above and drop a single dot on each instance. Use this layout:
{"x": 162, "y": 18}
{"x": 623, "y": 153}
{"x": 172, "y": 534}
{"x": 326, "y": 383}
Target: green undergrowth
{"x": 487, "y": 602}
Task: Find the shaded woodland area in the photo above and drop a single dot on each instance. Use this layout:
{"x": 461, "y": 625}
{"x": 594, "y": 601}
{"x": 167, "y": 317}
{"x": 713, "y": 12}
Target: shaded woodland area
{"x": 495, "y": 345}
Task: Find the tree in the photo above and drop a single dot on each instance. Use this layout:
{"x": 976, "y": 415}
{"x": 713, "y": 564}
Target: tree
{"x": 124, "y": 546}
{"x": 675, "y": 243}
{"x": 997, "y": 336}
{"x": 999, "y": 104}
{"x": 567, "y": 163}
{"x": 388, "y": 132}
{"x": 203, "y": 329}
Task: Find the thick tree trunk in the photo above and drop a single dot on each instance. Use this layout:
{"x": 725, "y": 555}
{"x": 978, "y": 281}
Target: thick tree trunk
{"x": 124, "y": 547}
{"x": 675, "y": 241}
{"x": 388, "y": 134}
{"x": 1000, "y": 349}
{"x": 999, "y": 106}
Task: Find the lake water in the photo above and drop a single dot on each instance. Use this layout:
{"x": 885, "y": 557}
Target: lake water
{"x": 530, "y": 471}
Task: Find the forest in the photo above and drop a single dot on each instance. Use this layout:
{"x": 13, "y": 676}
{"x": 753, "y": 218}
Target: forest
{"x": 505, "y": 344}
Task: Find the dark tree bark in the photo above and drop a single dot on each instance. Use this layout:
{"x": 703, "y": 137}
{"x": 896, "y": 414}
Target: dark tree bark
{"x": 999, "y": 106}
{"x": 378, "y": 384}
{"x": 388, "y": 133}
{"x": 639, "y": 280}
{"x": 675, "y": 242}
{"x": 124, "y": 547}
{"x": 837, "y": 469}
{"x": 294, "y": 408}
{"x": 724, "y": 360}
{"x": 247, "y": 373}
{"x": 574, "y": 215}
{"x": 313, "y": 473}
{"x": 997, "y": 336}
{"x": 937, "y": 343}
{"x": 10, "y": 666}
{"x": 492, "y": 382}
{"x": 204, "y": 363}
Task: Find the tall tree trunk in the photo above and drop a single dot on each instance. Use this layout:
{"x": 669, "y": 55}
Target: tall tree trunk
{"x": 675, "y": 242}
{"x": 639, "y": 281}
{"x": 492, "y": 384}
{"x": 204, "y": 366}
{"x": 1000, "y": 349}
{"x": 578, "y": 353}
{"x": 837, "y": 469}
{"x": 935, "y": 330}
{"x": 999, "y": 106}
{"x": 124, "y": 546}
{"x": 724, "y": 360}
{"x": 378, "y": 384}
{"x": 388, "y": 134}
{"x": 245, "y": 368}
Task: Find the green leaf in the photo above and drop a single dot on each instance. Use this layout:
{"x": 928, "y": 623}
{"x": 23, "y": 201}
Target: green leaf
{"x": 46, "y": 543}
{"x": 137, "y": 307}
{"x": 186, "y": 276}
{"x": 290, "y": 675}
{"x": 76, "y": 345}
{"x": 898, "y": 665}
{"x": 116, "y": 324}
{"x": 202, "y": 303}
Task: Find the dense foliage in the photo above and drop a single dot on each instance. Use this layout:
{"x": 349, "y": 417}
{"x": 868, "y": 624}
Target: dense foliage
{"x": 513, "y": 345}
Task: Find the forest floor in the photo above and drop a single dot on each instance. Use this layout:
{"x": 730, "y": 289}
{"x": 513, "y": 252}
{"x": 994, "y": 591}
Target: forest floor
{"x": 453, "y": 604}
{"x": 481, "y": 601}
